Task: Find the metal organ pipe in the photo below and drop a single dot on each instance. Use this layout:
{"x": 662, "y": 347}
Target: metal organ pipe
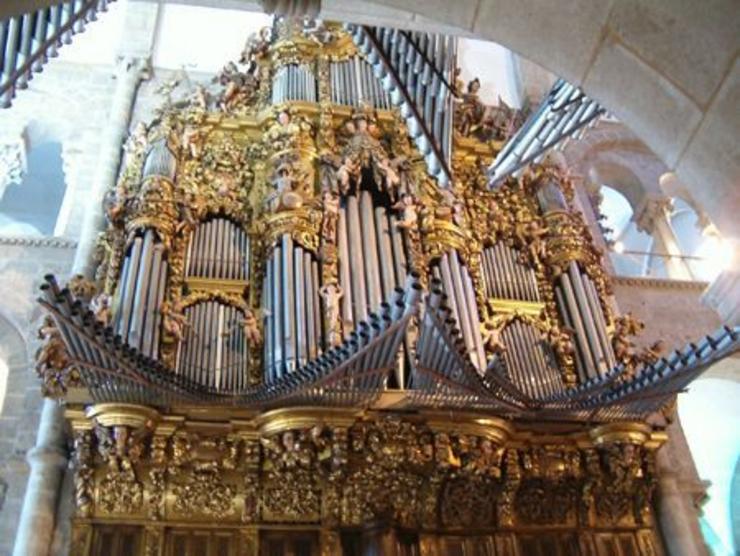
{"x": 277, "y": 301}
{"x": 300, "y": 308}
{"x": 128, "y": 288}
{"x": 591, "y": 362}
{"x": 354, "y": 243}
{"x": 370, "y": 251}
{"x": 311, "y": 310}
{"x": 386, "y": 251}
{"x": 269, "y": 316}
{"x": 344, "y": 270}
{"x": 595, "y": 304}
{"x": 474, "y": 317}
{"x": 218, "y": 249}
{"x": 588, "y": 317}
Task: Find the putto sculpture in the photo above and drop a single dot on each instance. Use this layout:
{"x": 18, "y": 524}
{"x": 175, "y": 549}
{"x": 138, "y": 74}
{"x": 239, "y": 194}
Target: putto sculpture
{"x": 313, "y": 316}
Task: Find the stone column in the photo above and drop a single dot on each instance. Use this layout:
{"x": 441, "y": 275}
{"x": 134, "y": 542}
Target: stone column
{"x": 47, "y": 460}
{"x": 129, "y": 73}
{"x": 653, "y": 217}
{"x": 680, "y": 493}
{"x": 723, "y": 294}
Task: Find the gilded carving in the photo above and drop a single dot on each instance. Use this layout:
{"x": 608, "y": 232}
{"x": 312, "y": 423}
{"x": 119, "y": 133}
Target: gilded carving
{"x": 202, "y": 492}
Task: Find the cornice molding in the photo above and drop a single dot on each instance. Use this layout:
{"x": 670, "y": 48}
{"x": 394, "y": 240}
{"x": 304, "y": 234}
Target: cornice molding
{"x": 660, "y": 283}
{"x": 56, "y": 242}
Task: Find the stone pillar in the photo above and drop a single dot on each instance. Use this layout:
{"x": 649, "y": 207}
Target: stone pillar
{"x": 129, "y": 73}
{"x": 653, "y": 217}
{"x": 723, "y": 294}
{"x": 47, "y": 460}
{"x": 679, "y": 496}
{"x": 48, "y": 457}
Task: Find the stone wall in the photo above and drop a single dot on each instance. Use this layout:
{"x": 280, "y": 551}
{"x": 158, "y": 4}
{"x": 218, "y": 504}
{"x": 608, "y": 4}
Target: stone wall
{"x": 68, "y": 103}
{"x": 22, "y": 266}
{"x": 671, "y": 310}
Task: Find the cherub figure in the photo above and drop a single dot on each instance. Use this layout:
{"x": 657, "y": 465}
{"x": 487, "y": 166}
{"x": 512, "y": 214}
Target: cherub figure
{"x": 392, "y": 179}
{"x": 349, "y": 169}
{"x": 409, "y": 212}
{"x": 331, "y": 215}
{"x": 52, "y": 353}
{"x": 173, "y": 319}
{"x": 492, "y": 337}
{"x": 136, "y": 141}
{"x": 651, "y": 354}
{"x": 192, "y": 141}
{"x": 470, "y": 110}
{"x": 82, "y": 288}
{"x": 331, "y": 293}
{"x": 101, "y": 308}
{"x": 537, "y": 246}
{"x": 560, "y": 339}
{"x": 624, "y": 327}
{"x": 251, "y": 328}
{"x": 283, "y": 178}
{"x": 200, "y": 97}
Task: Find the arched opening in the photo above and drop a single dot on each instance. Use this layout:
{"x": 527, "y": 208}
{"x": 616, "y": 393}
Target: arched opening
{"x": 710, "y": 417}
{"x": 31, "y": 207}
{"x": 631, "y": 248}
{"x": 707, "y": 253}
{"x": 12, "y": 355}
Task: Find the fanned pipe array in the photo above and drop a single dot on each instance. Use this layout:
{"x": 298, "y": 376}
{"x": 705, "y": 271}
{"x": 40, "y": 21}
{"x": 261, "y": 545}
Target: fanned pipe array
{"x": 416, "y": 69}
{"x": 439, "y": 370}
{"x": 505, "y": 276}
{"x": 294, "y": 82}
{"x": 27, "y": 41}
{"x": 372, "y": 257}
{"x": 215, "y": 352}
{"x": 458, "y": 286}
{"x": 580, "y": 307}
{"x": 137, "y": 301}
{"x": 292, "y": 321}
{"x": 529, "y": 361}
{"x": 353, "y": 83}
{"x": 218, "y": 249}
{"x": 565, "y": 112}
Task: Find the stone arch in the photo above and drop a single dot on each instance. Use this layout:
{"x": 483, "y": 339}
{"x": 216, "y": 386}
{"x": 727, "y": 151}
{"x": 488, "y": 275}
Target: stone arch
{"x": 31, "y": 197}
{"x": 13, "y": 355}
{"x": 710, "y": 419}
{"x": 668, "y": 70}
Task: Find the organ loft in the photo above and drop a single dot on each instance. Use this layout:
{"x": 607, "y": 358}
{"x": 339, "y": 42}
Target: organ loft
{"x": 340, "y": 308}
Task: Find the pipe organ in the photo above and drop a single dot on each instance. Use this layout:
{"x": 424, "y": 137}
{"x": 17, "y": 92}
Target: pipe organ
{"x": 294, "y": 82}
{"x": 300, "y": 334}
{"x": 293, "y": 326}
{"x": 218, "y": 249}
{"x": 141, "y": 292}
{"x": 354, "y": 82}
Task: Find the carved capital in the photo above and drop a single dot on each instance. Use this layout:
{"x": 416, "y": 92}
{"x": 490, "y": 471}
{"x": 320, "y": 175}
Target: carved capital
{"x": 649, "y": 210}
